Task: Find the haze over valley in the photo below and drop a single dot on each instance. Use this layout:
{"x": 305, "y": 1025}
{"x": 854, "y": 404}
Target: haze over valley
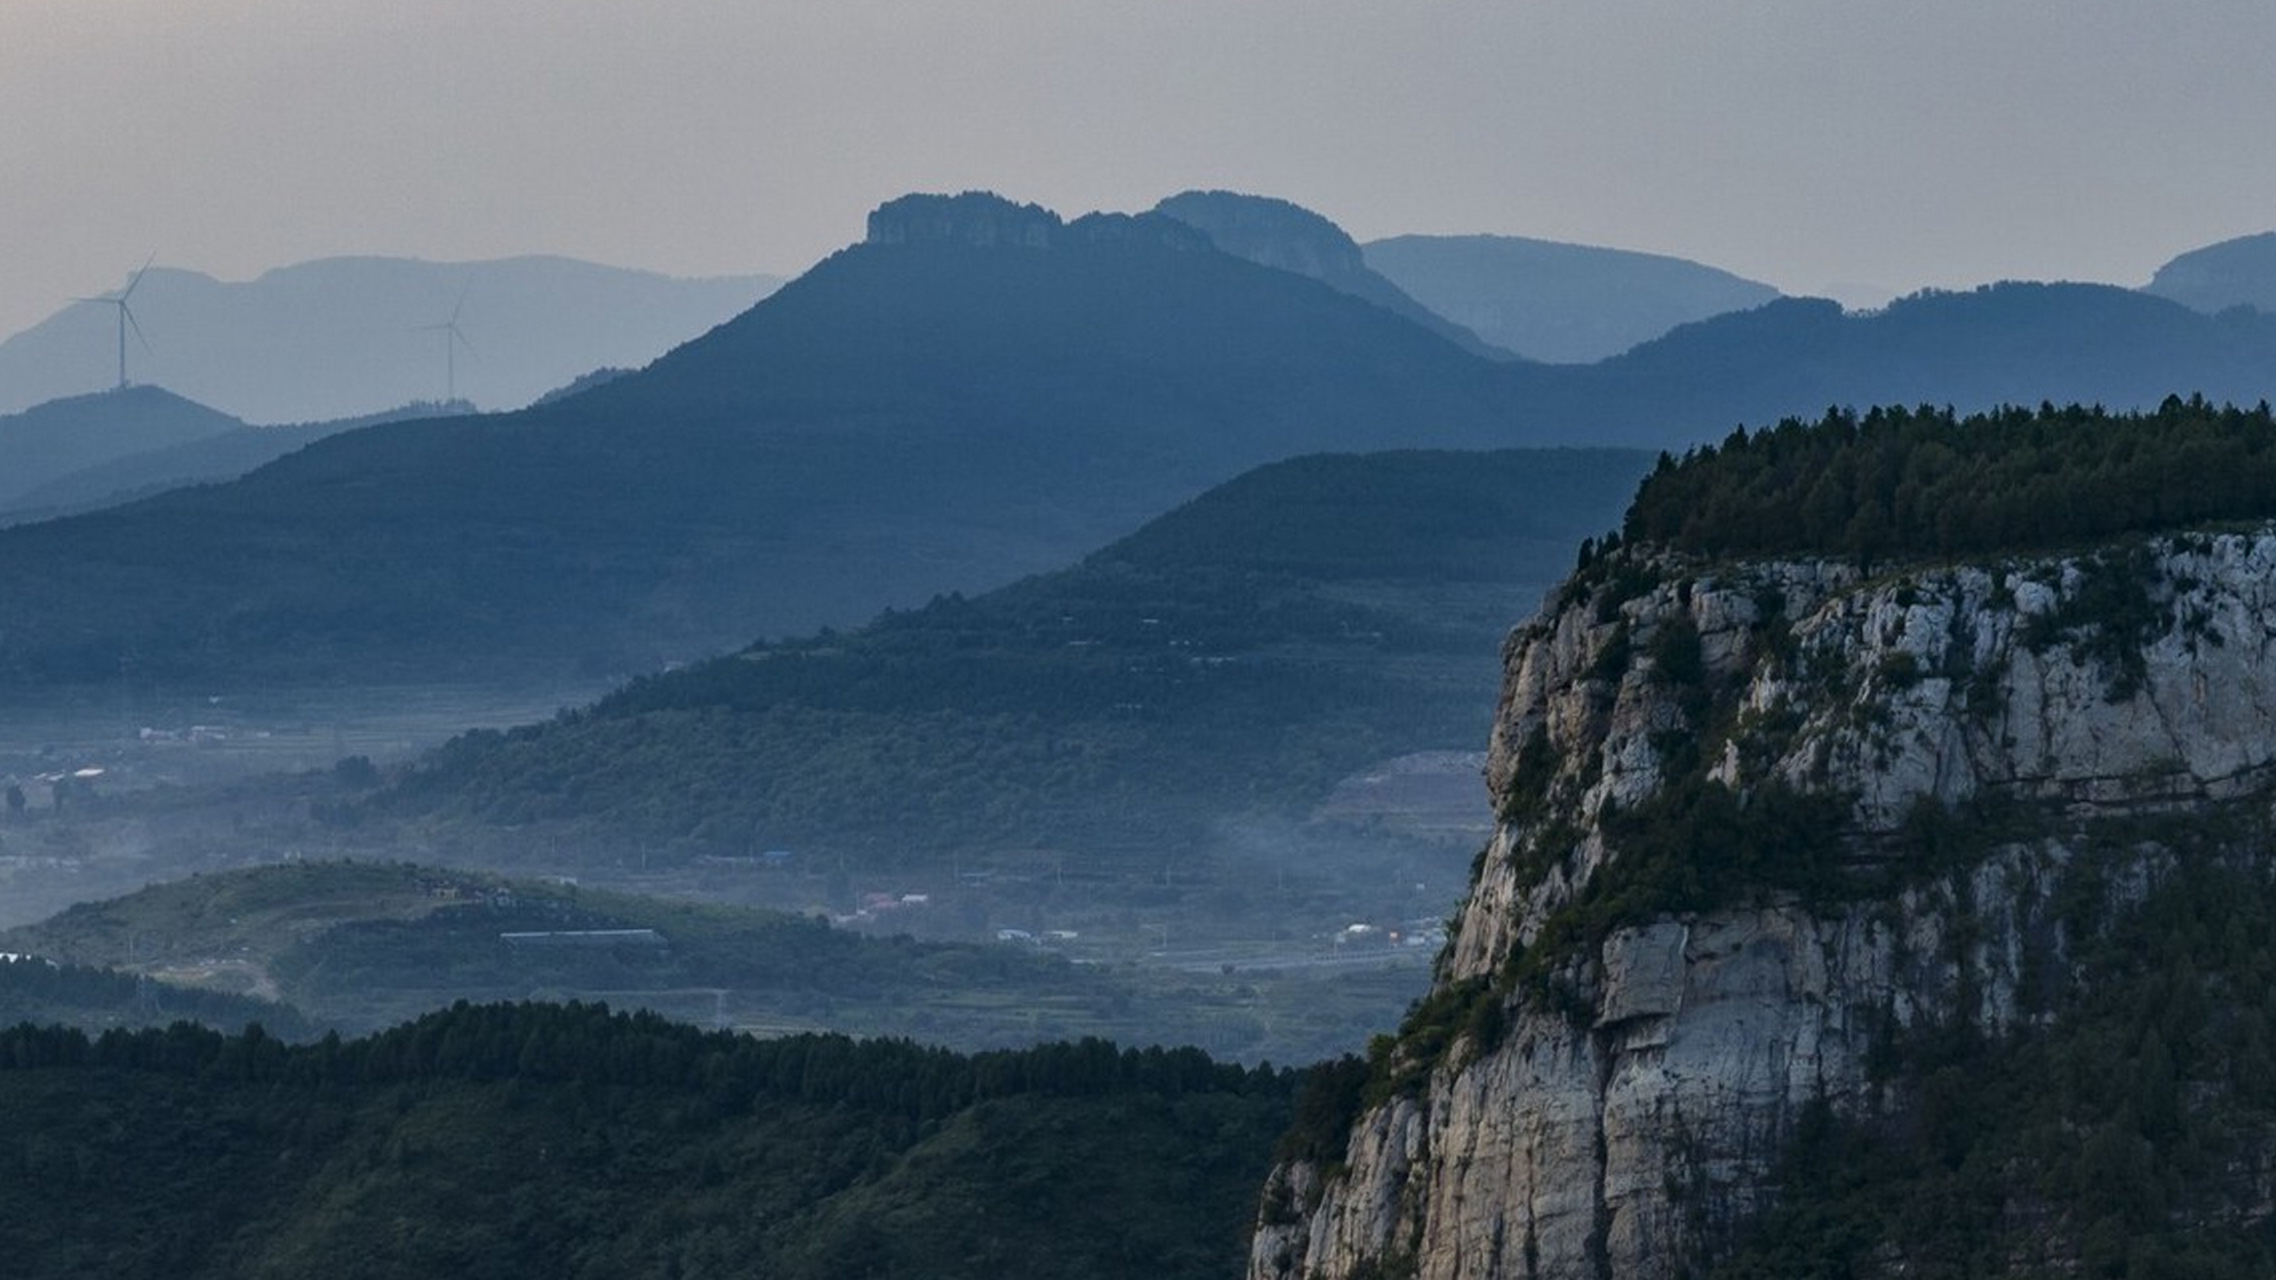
{"x": 1290, "y": 641}
{"x": 876, "y": 557}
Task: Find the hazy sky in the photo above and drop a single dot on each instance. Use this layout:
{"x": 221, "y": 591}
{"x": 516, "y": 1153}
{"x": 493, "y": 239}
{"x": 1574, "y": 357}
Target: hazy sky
{"x": 1801, "y": 142}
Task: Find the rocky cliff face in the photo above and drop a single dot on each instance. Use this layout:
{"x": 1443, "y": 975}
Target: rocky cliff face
{"x": 985, "y": 220}
{"x": 1759, "y": 822}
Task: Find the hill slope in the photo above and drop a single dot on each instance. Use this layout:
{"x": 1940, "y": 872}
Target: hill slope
{"x": 1237, "y": 657}
{"x": 982, "y": 390}
{"x": 44, "y": 444}
{"x": 223, "y": 455}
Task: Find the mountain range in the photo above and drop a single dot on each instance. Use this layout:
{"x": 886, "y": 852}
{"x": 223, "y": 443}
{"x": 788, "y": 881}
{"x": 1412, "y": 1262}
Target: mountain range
{"x": 906, "y": 418}
{"x": 979, "y": 391}
{"x": 339, "y": 338}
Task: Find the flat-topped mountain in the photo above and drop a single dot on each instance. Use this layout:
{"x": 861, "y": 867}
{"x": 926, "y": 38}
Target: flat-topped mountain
{"x": 1231, "y": 661}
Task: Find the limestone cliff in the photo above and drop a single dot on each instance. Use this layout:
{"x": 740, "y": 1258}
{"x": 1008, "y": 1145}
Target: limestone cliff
{"x": 1760, "y": 822}
{"x": 983, "y": 219}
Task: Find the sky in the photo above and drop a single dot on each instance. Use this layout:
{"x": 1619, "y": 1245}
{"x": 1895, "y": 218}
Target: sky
{"x": 1838, "y": 146}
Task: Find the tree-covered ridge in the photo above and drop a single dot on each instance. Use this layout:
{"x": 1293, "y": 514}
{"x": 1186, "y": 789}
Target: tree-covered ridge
{"x": 1900, "y": 483}
{"x": 1239, "y": 654}
{"x": 565, "y": 1140}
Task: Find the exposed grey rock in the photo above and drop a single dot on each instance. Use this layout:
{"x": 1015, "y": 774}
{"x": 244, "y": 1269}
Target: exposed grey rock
{"x": 1616, "y": 1132}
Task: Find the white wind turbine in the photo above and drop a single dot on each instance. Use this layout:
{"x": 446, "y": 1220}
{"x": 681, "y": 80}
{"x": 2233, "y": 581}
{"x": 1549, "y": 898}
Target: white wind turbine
{"x": 452, "y": 341}
{"x": 126, "y": 315}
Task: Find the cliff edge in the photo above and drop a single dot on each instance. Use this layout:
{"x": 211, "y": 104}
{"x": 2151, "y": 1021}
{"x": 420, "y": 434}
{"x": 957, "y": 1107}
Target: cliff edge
{"x": 1789, "y": 850}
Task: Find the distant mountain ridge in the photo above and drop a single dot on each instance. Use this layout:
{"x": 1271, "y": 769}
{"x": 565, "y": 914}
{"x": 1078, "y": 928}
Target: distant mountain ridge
{"x": 145, "y": 470}
{"x": 2233, "y": 273}
{"x": 906, "y": 418}
{"x": 980, "y": 391}
{"x": 57, "y": 439}
{"x": 2006, "y": 344}
{"x": 338, "y": 338}
{"x": 1289, "y": 237}
{"x": 1561, "y": 303}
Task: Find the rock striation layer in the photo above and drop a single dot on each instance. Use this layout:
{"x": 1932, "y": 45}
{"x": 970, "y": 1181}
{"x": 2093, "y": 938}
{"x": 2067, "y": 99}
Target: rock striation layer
{"x": 1618, "y": 1049}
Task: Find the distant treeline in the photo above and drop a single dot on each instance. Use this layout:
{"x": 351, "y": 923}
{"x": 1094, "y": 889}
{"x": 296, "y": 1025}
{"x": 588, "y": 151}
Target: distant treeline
{"x": 1899, "y": 483}
{"x": 566, "y": 1140}
{"x": 588, "y": 1044}
{"x": 39, "y": 992}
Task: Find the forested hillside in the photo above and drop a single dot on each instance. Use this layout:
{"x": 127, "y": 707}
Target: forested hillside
{"x": 1236, "y": 657}
{"x": 527, "y": 1140}
{"x": 94, "y": 998}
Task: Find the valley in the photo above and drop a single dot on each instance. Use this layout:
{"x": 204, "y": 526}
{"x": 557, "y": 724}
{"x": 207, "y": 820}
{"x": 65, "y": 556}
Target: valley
{"x": 1013, "y": 715}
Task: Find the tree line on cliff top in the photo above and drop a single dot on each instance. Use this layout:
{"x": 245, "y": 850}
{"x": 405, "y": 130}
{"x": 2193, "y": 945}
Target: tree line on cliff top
{"x": 1903, "y": 483}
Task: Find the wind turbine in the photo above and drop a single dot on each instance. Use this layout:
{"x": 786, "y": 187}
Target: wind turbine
{"x": 126, "y": 315}
{"x": 452, "y": 341}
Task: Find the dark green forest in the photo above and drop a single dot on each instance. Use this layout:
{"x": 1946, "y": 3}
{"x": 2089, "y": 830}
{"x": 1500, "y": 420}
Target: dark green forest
{"x": 44, "y": 993}
{"x": 1899, "y": 483}
{"x": 566, "y": 1140}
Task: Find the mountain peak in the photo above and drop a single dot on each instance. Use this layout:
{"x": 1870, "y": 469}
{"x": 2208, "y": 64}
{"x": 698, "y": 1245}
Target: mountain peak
{"x": 1289, "y": 237}
{"x": 1275, "y": 233}
{"x": 987, "y": 220}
